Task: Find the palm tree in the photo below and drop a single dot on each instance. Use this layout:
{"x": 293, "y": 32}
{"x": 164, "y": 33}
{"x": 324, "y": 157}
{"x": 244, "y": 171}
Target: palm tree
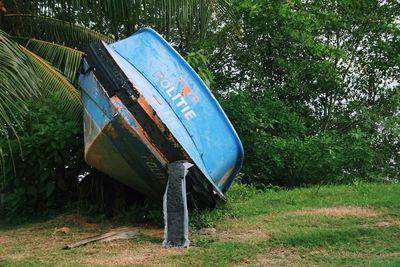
{"x": 42, "y": 41}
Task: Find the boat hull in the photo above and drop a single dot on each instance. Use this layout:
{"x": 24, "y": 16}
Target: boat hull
{"x": 136, "y": 121}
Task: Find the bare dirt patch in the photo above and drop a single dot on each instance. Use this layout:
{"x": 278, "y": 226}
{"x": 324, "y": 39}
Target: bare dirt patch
{"x": 340, "y": 212}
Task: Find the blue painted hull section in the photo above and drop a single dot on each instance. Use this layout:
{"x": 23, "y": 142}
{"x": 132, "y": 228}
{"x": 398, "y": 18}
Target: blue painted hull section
{"x": 116, "y": 150}
{"x": 176, "y": 99}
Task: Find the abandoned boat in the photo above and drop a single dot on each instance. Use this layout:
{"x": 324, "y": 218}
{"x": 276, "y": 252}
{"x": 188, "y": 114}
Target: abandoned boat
{"x": 145, "y": 107}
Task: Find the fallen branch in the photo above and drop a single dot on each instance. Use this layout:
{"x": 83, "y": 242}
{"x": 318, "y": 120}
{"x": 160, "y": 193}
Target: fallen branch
{"x": 115, "y": 234}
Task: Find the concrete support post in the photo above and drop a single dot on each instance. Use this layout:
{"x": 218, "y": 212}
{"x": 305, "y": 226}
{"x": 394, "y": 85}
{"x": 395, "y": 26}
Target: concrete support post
{"x": 176, "y": 218}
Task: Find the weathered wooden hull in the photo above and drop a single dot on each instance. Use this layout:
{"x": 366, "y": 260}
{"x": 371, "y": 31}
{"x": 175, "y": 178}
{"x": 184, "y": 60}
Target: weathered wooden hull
{"x": 145, "y": 108}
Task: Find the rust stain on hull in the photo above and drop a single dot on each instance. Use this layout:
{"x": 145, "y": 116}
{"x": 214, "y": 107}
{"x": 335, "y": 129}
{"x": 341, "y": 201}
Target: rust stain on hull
{"x": 153, "y": 116}
{"x": 139, "y": 131}
{"x": 114, "y": 134}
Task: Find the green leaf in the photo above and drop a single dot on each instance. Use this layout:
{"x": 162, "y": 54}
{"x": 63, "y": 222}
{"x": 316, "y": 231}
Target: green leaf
{"x": 122, "y": 17}
{"x": 19, "y": 83}
{"x": 52, "y": 30}
{"x": 54, "y": 81}
{"x": 66, "y": 59}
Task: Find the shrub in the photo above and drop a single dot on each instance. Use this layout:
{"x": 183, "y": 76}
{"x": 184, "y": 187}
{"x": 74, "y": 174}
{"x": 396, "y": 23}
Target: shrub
{"x": 281, "y": 150}
{"x": 45, "y": 173}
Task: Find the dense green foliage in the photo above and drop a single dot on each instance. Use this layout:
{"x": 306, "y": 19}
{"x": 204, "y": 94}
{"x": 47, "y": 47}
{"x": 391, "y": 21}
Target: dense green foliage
{"x": 280, "y": 151}
{"x": 312, "y": 88}
{"x": 44, "y": 174}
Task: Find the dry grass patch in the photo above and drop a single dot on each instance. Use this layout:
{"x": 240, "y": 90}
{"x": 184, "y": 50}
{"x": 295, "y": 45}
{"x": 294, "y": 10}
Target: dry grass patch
{"x": 39, "y": 241}
{"x": 243, "y": 235}
{"x": 73, "y": 219}
{"x": 276, "y": 260}
{"x": 25, "y": 243}
{"x": 4, "y": 240}
{"x": 152, "y": 231}
{"x": 16, "y": 257}
{"x": 239, "y": 230}
{"x": 288, "y": 256}
{"x": 340, "y": 212}
{"x": 277, "y": 257}
{"x": 392, "y": 254}
{"x": 132, "y": 253}
{"x": 387, "y": 223}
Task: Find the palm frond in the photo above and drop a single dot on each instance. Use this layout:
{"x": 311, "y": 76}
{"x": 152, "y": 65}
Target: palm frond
{"x": 51, "y": 30}
{"x": 190, "y": 15}
{"x": 122, "y": 17}
{"x": 66, "y": 59}
{"x": 18, "y": 83}
{"x": 54, "y": 81}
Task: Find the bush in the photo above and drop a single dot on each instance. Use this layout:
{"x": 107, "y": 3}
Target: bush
{"x": 280, "y": 151}
{"x": 45, "y": 173}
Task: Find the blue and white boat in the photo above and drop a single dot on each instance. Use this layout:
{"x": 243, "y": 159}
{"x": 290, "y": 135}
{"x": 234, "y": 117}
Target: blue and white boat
{"x": 145, "y": 107}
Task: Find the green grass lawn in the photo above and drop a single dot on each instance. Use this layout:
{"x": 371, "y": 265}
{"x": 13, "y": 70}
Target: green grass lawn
{"x": 356, "y": 225}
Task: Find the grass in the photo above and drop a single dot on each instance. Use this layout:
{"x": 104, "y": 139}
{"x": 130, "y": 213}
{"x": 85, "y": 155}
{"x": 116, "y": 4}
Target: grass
{"x": 357, "y": 225}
